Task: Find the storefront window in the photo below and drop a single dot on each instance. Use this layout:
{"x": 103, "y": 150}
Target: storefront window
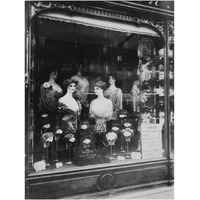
{"x": 96, "y": 97}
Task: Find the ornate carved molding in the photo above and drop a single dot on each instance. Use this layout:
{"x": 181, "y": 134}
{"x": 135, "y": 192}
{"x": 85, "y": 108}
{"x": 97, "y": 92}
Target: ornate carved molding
{"x": 38, "y": 6}
{"x": 157, "y": 24}
{"x": 41, "y": 5}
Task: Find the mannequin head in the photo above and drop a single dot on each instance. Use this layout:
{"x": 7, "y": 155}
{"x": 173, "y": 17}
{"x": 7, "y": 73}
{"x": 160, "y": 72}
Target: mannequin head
{"x": 100, "y": 84}
{"x": 111, "y": 79}
{"x": 69, "y": 85}
{"x": 136, "y": 85}
{"x": 53, "y": 75}
{"x": 99, "y": 87}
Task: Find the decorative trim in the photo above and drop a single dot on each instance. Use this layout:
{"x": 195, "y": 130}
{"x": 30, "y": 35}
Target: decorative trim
{"x": 96, "y": 25}
{"x": 106, "y": 181}
{"x": 39, "y": 6}
{"x": 102, "y": 13}
{"x": 157, "y": 25}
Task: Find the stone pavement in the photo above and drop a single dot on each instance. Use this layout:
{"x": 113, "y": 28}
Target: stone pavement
{"x": 156, "y": 193}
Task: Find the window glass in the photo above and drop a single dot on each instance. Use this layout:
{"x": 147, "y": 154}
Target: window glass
{"x": 94, "y": 102}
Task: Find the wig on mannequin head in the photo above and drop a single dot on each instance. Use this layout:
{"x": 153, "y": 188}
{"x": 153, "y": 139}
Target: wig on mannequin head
{"x": 101, "y": 84}
{"x": 67, "y": 82}
{"x": 116, "y": 82}
{"x": 111, "y": 75}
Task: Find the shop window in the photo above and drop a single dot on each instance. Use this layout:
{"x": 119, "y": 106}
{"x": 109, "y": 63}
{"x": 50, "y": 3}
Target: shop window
{"x": 97, "y": 98}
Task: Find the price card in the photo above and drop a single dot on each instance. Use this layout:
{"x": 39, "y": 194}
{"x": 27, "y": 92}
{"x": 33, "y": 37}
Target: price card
{"x": 59, "y": 164}
{"x": 151, "y": 139}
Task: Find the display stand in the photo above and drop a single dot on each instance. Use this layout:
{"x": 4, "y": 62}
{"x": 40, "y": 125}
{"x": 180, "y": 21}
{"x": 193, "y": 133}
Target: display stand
{"x": 57, "y": 138}
{"x": 127, "y": 151}
{"x": 114, "y": 152}
{"x": 69, "y": 162}
{"x": 115, "y": 130}
{"x": 111, "y": 138}
{"x": 111, "y": 154}
{"x": 56, "y": 149}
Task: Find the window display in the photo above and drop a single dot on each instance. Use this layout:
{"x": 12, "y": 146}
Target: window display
{"x": 101, "y": 104}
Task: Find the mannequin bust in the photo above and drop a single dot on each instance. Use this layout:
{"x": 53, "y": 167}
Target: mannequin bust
{"x": 70, "y": 108}
{"x": 135, "y": 91}
{"x": 101, "y": 109}
{"x": 115, "y": 95}
{"x": 50, "y": 92}
{"x": 145, "y": 73}
{"x": 82, "y": 87}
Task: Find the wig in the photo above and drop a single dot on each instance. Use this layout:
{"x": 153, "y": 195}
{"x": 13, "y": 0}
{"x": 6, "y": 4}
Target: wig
{"x": 67, "y": 82}
{"x": 111, "y": 75}
{"x": 101, "y": 84}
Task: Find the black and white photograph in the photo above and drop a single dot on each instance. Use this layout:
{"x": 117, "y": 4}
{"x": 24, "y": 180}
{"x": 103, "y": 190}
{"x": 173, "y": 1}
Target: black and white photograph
{"x": 93, "y": 105}
{"x": 99, "y": 99}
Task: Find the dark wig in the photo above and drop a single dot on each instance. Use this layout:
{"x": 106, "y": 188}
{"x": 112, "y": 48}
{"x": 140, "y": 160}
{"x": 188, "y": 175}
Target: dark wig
{"x": 112, "y": 75}
{"x": 67, "y": 82}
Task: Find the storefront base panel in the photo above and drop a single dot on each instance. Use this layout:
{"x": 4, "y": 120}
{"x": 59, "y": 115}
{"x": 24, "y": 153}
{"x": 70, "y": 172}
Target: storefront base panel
{"x": 99, "y": 181}
{"x": 121, "y": 191}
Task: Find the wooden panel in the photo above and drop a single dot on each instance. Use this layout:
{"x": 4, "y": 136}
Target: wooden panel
{"x": 55, "y": 189}
{"x": 106, "y": 179}
{"x": 141, "y": 176}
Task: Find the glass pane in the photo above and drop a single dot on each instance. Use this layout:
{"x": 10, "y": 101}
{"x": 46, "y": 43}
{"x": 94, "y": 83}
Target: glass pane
{"x": 95, "y": 102}
{"x": 148, "y": 100}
